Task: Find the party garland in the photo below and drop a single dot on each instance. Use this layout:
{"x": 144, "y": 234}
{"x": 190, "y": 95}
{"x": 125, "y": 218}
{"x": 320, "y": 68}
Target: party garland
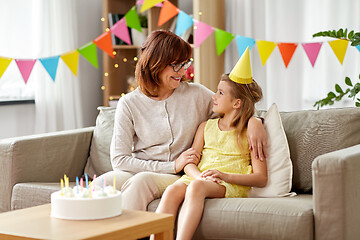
{"x": 202, "y": 31}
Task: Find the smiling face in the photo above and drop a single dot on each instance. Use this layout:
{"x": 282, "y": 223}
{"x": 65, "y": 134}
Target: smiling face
{"x": 224, "y": 102}
{"x": 169, "y": 79}
{"x": 153, "y": 72}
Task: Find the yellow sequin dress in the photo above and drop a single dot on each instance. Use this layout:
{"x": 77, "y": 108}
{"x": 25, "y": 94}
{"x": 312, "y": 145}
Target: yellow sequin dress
{"x": 221, "y": 152}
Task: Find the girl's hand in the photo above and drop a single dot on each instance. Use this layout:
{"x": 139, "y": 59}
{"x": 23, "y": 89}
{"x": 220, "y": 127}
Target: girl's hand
{"x": 257, "y": 138}
{"x": 213, "y": 173}
{"x": 188, "y": 156}
{"x": 213, "y": 179}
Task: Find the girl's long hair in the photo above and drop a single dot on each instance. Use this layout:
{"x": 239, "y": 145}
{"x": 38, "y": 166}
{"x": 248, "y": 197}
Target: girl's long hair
{"x": 249, "y": 94}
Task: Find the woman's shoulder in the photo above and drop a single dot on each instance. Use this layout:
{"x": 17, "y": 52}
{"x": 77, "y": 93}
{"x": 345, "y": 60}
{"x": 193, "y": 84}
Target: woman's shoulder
{"x": 135, "y": 97}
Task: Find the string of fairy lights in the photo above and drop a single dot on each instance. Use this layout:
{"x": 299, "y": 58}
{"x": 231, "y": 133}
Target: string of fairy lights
{"x": 117, "y": 59}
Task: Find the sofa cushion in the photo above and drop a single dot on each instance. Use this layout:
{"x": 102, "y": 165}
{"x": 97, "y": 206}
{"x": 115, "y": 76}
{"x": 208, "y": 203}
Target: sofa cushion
{"x": 255, "y": 218}
{"x": 99, "y": 159}
{"x": 32, "y": 194}
{"x": 279, "y": 166}
{"x": 315, "y": 132}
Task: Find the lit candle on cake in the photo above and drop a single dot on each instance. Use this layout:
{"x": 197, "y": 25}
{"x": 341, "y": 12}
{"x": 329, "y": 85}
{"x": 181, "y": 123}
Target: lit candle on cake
{"x": 87, "y": 181}
{"x": 93, "y": 181}
{"x": 90, "y": 193}
{"x": 81, "y": 183}
{"x": 77, "y": 184}
{"x": 66, "y": 183}
{"x": 102, "y": 184}
{"x": 62, "y": 186}
{"x": 114, "y": 183}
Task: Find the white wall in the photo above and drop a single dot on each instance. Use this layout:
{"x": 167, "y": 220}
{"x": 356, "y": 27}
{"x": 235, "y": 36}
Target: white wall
{"x": 18, "y": 120}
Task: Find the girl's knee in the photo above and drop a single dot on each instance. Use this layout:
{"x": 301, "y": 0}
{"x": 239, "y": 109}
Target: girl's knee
{"x": 195, "y": 188}
{"x": 174, "y": 190}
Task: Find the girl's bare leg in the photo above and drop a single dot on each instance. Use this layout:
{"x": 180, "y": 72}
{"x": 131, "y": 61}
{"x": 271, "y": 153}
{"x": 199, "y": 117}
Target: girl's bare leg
{"x": 193, "y": 206}
{"x": 172, "y": 198}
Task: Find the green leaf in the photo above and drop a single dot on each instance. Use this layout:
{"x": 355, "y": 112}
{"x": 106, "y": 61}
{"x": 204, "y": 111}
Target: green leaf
{"x": 357, "y": 104}
{"x": 331, "y": 95}
{"x": 351, "y": 35}
{"x": 338, "y": 88}
{"x": 352, "y": 93}
{"x": 357, "y": 87}
{"x": 345, "y": 33}
{"x": 340, "y": 33}
{"x": 358, "y": 99}
{"x": 356, "y": 42}
{"x": 348, "y": 81}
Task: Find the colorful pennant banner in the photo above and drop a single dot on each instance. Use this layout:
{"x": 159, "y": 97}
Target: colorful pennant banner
{"x": 71, "y": 59}
{"x": 25, "y": 67}
{"x": 202, "y": 31}
{"x": 50, "y": 64}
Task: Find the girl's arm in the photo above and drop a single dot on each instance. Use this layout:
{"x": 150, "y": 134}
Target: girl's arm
{"x": 190, "y": 169}
{"x": 256, "y": 179}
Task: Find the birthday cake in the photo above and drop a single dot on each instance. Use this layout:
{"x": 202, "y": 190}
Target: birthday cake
{"x": 85, "y": 203}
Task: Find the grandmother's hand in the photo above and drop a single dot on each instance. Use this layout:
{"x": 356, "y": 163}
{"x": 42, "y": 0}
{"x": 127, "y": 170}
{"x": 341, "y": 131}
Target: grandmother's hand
{"x": 257, "y": 138}
{"x": 188, "y": 156}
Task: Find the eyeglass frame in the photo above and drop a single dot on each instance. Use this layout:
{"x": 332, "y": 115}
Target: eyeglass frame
{"x": 182, "y": 65}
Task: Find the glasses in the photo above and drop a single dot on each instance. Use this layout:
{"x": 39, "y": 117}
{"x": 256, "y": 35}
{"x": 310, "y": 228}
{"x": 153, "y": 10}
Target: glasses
{"x": 177, "y": 67}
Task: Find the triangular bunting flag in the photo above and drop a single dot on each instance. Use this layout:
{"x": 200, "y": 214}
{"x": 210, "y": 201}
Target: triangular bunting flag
{"x": 25, "y": 67}
{"x": 339, "y": 47}
{"x": 184, "y": 21}
{"x": 358, "y": 47}
{"x": 265, "y": 49}
{"x": 132, "y": 19}
{"x": 88, "y": 51}
{"x": 71, "y": 59}
{"x": 121, "y": 30}
{"x": 4, "y": 63}
{"x": 222, "y": 39}
{"x": 287, "y": 51}
{"x": 149, "y": 4}
{"x": 50, "y": 64}
{"x": 104, "y": 43}
{"x": 167, "y": 12}
{"x": 201, "y": 32}
{"x": 312, "y": 51}
{"x": 243, "y": 43}
{"x": 141, "y": 2}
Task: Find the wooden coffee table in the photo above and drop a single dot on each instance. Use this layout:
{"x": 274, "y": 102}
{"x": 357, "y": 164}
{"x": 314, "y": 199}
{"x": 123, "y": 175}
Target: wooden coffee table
{"x": 36, "y": 223}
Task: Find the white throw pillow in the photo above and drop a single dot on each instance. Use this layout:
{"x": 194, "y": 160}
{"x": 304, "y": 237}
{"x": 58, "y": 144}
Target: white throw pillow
{"x": 279, "y": 164}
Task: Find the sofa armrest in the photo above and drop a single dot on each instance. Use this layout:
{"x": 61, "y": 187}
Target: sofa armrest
{"x": 42, "y": 158}
{"x": 336, "y": 194}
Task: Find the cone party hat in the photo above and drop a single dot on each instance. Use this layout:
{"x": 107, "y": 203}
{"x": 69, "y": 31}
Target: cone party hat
{"x": 241, "y": 73}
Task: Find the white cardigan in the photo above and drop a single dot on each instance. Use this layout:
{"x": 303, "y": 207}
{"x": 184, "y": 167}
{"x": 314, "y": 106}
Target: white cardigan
{"x": 150, "y": 135}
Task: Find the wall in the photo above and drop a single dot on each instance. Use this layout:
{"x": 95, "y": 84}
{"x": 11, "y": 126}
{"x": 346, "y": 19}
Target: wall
{"x": 18, "y": 120}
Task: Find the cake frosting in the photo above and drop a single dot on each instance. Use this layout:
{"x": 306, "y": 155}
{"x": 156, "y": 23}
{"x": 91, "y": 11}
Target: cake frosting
{"x": 80, "y": 203}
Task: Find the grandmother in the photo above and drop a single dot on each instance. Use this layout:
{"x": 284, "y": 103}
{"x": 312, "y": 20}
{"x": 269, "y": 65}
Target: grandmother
{"x": 155, "y": 124}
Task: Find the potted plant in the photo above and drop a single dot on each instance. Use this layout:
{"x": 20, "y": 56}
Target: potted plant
{"x": 353, "y": 89}
{"x": 139, "y": 37}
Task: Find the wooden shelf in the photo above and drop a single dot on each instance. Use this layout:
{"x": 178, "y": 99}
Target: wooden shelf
{"x": 117, "y": 47}
{"x": 207, "y": 65}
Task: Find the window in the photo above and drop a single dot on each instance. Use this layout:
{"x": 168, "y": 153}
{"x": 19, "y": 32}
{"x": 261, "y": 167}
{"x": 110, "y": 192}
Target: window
{"x": 16, "y": 42}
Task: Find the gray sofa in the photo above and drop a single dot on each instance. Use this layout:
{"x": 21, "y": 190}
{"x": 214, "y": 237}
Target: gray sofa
{"x": 325, "y": 152}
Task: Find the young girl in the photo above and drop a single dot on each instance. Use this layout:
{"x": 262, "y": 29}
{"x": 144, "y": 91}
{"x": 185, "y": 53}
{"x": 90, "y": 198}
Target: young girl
{"x": 226, "y": 168}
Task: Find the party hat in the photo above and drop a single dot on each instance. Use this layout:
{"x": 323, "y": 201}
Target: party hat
{"x": 241, "y": 73}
